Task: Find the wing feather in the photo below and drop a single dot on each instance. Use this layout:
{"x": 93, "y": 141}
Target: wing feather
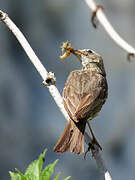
{"x": 80, "y": 93}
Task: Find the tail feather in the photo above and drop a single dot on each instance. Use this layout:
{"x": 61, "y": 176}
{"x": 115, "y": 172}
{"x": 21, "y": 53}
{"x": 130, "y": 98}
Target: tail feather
{"x": 72, "y": 138}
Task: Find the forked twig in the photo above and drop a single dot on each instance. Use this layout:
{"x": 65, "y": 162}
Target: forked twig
{"x": 109, "y": 29}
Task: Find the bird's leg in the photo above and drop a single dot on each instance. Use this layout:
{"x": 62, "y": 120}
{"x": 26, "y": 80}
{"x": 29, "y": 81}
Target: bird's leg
{"x": 94, "y": 140}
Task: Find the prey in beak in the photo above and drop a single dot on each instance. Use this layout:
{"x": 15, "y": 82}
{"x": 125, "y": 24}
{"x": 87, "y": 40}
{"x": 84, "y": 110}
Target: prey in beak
{"x": 67, "y": 49}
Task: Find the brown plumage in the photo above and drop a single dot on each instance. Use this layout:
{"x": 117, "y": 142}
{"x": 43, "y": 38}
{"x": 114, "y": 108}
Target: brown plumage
{"x": 84, "y": 94}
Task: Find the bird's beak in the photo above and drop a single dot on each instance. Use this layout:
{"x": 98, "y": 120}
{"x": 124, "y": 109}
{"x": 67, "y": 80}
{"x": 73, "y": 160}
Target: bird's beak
{"x": 77, "y": 53}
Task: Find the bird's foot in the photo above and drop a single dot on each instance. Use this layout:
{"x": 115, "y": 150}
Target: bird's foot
{"x": 88, "y": 149}
{"x": 92, "y": 147}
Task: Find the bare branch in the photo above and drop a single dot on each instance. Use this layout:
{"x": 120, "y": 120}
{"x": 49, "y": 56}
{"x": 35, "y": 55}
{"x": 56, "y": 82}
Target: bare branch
{"x": 34, "y": 59}
{"x": 100, "y": 162}
{"x": 50, "y": 85}
{"x": 108, "y": 27}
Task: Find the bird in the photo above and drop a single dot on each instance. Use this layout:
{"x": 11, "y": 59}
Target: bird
{"x": 84, "y": 94}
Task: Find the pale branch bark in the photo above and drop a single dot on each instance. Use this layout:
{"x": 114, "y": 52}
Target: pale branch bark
{"x": 96, "y": 153}
{"x": 52, "y": 88}
{"x": 109, "y": 29}
{"x": 34, "y": 59}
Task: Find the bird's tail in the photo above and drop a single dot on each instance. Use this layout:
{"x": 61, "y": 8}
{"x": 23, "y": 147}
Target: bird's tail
{"x": 72, "y": 138}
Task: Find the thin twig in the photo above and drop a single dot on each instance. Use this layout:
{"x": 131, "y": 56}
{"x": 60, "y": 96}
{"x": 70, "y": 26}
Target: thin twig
{"x": 52, "y": 88}
{"x": 108, "y": 27}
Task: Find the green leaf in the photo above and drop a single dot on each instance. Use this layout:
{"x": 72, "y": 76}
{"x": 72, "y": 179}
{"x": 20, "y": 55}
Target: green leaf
{"x": 15, "y": 176}
{"x": 67, "y": 178}
{"x": 22, "y": 176}
{"x": 34, "y": 169}
{"x": 32, "y": 172}
{"x": 57, "y": 176}
{"x": 35, "y": 172}
{"x": 41, "y": 160}
{"x": 47, "y": 172}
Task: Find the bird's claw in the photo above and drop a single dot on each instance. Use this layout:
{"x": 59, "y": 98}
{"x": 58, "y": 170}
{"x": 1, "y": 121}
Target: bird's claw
{"x": 90, "y": 146}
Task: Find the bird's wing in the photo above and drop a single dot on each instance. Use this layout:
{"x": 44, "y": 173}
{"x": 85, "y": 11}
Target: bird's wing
{"x": 80, "y": 93}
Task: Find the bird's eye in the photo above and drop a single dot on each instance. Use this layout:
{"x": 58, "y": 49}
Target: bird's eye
{"x": 90, "y": 51}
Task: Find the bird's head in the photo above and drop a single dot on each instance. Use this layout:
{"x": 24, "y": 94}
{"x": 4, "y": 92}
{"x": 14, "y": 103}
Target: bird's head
{"x": 89, "y": 59}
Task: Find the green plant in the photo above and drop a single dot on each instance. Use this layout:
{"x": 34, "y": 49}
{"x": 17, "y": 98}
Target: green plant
{"x": 35, "y": 171}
